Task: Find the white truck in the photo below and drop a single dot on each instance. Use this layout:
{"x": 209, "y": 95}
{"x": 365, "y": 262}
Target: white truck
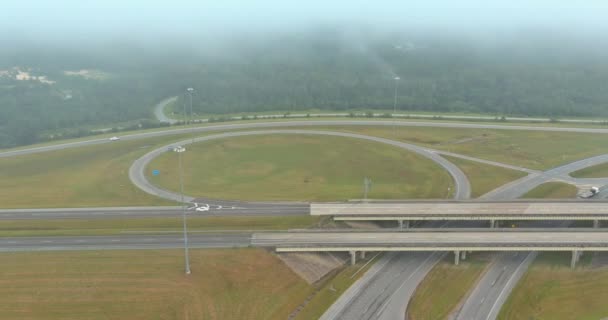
{"x": 590, "y": 193}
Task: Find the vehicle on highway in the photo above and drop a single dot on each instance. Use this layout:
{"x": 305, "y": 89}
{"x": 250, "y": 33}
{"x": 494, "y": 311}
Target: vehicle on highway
{"x": 114, "y": 138}
{"x": 204, "y": 207}
{"x": 588, "y": 194}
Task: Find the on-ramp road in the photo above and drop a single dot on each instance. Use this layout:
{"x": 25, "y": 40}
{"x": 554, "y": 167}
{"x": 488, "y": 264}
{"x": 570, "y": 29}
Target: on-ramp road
{"x": 138, "y": 177}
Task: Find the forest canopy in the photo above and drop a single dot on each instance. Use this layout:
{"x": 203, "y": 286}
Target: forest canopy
{"x": 73, "y": 90}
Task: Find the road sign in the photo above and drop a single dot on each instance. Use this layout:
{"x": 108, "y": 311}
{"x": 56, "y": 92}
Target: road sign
{"x": 155, "y": 172}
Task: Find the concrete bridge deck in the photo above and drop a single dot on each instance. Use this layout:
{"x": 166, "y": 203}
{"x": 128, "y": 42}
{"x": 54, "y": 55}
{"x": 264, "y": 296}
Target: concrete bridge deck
{"x": 457, "y": 242}
{"x": 451, "y": 210}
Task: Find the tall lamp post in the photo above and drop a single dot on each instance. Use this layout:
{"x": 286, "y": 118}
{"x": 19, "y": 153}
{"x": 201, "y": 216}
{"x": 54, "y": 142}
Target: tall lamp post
{"x": 190, "y": 90}
{"x": 180, "y": 150}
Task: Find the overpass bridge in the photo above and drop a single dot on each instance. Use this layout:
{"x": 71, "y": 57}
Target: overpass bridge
{"x": 492, "y": 211}
{"x": 457, "y": 242}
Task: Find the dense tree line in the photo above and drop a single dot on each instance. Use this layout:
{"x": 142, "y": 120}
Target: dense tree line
{"x": 318, "y": 70}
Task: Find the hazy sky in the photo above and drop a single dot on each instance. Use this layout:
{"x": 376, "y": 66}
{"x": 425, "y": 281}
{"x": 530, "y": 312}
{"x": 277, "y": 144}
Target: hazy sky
{"x": 146, "y": 17}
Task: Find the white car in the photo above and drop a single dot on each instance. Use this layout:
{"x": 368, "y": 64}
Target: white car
{"x": 114, "y": 139}
{"x": 204, "y": 207}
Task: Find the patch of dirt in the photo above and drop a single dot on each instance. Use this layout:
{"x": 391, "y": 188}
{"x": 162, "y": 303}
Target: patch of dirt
{"x": 313, "y": 266}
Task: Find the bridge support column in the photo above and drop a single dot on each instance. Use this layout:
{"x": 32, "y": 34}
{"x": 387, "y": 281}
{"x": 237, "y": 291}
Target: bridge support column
{"x": 492, "y": 224}
{"x": 575, "y": 257}
{"x": 362, "y": 255}
{"x": 406, "y": 224}
{"x": 353, "y": 257}
{"x": 463, "y": 255}
{"x": 456, "y": 257}
{"x": 400, "y": 224}
{"x": 596, "y": 224}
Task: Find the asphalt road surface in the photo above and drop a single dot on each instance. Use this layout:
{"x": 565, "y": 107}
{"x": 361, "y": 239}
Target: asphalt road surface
{"x": 276, "y": 124}
{"x": 160, "y": 116}
{"x": 230, "y": 209}
{"x": 196, "y": 240}
{"x": 490, "y": 294}
{"x": 159, "y": 111}
{"x": 378, "y": 298}
{"x": 405, "y": 279}
{"x": 484, "y": 302}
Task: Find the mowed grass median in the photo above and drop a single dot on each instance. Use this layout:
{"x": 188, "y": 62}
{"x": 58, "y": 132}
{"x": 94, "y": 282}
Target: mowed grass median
{"x": 300, "y": 167}
{"x": 148, "y": 284}
{"x": 540, "y": 150}
{"x": 95, "y": 175}
{"x": 597, "y": 171}
{"x": 551, "y": 290}
{"x": 484, "y": 177}
{"x": 444, "y": 287}
{"x": 552, "y": 190}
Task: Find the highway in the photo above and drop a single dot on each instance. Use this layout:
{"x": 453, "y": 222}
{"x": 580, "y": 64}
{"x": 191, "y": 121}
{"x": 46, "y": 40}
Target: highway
{"x": 231, "y": 209}
{"x": 405, "y": 278}
{"x": 196, "y": 240}
{"x": 519, "y": 187}
{"x": 376, "y": 295}
{"x": 161, "y": 117}
{"x": 490, "y": 294}
{"x": 484, "y": 302}
{"x": 278, "y": 124}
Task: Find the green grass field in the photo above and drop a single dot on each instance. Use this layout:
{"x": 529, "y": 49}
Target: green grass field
{"x": 87, "y": 176}
{"x": 551, "y": 290}
{"x": 552, "y": 190}
{"x": 71, "y": 227}
{"x": 483, "y": 177}
{"x": 148, "y": 284}
{"x": 300, "y": 167}
{"x": 444, "y": 287}
{"x": 598, "y": 171}
{"x": 530, "y": 149}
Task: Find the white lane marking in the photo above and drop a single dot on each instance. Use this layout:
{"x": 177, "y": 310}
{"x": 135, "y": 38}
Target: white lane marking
{"x": 506, "y": 286}
{"x": 115, "y": 240}
{"x": 47, "y": 241}
{"x": 383, "y": 307}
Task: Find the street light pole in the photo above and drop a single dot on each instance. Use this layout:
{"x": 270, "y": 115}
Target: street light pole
{"x": 184, "y": 112}
{"x": 190, "y": 90}
{"x": 179, "y": 151}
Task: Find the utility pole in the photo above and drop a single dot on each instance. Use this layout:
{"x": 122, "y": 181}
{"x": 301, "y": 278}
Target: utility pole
{"x": 190, "y": 90}
{"x": 184, "y": 111}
